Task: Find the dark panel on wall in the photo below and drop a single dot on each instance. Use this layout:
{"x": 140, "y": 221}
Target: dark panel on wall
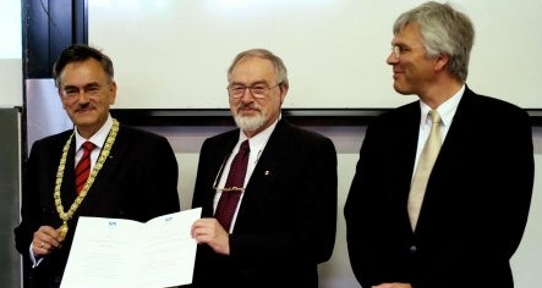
{"x": 35, "y": 39}
{"x": 9, "y": 195}
{"x": 222, "y": 117}
{"x": 48, "y": 27}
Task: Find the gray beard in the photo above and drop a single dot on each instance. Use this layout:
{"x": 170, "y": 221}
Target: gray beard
{"x": 249, "y": 123}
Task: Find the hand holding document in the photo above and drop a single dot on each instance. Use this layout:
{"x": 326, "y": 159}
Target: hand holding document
{"x": 116, "y": 253}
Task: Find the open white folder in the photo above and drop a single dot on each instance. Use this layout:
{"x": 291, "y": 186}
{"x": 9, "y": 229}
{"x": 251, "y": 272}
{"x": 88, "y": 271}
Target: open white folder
{"x": 116, "y": 253}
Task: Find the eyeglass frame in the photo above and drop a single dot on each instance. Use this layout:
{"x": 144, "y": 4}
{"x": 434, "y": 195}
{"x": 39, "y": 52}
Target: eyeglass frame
{"x": 219, "y": 175}
{"x": 89, "y": 90}
{"x": 255, "y": 96}
{"x": 398, "y": 49}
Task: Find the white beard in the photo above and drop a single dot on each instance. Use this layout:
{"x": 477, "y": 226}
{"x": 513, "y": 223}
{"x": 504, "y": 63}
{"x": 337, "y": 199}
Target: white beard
{"x": 249, "y": 123}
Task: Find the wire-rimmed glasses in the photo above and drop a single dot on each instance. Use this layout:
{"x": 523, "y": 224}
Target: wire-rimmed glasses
{"x": 89, "y": 90}
{"x": 217, "y": 178}
{"x": 258, "y": 90}
{"x": 398, "y": 50}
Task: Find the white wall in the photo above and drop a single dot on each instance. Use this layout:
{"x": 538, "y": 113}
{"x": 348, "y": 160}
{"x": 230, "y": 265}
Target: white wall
{"x": 337, "y": 273}
{"x": 174, "y": 54}
{"x": 11, "y": 70}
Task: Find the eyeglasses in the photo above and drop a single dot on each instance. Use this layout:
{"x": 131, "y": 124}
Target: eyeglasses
{"x": 219, "y": 174}
{"x": 90, "y": 90}
{"x": 258, "y": 91}
{"x": 399, "y": 50}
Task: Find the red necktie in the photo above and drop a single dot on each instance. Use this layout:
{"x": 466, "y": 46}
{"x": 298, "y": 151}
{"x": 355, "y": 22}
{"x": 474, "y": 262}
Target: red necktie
{"x": 82, "y": 170}
{"x": 236, "y": 179}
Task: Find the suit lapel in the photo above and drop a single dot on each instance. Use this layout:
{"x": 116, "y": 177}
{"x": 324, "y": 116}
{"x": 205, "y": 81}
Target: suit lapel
{"x": 68, "y": 193}
{"x": 265, "y": 173}
{"x": 456, "y": 139}
{"x": 408, "y": 130}
{"x": 216, "y": 162}
{"x": 105, "y": 176}
{"x": 463, "y": 120}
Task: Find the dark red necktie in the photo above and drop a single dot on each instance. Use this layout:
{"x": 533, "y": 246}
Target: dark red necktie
{"x": 82, "y": 170}
{"x": 236, "y": 178}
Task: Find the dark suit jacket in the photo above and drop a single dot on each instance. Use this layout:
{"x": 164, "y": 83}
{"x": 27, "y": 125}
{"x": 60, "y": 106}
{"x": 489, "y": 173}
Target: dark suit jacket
{"x": 287, "y": 219}
{"x": 475, "y": 207}
{"x": 138, "y": 181}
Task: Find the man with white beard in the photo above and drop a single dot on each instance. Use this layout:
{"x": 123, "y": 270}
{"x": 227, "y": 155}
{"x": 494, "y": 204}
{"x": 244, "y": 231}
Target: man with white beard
{"x": 280, "y": 222}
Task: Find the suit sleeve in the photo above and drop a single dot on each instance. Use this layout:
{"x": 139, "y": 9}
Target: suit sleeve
{"x": 160, "y": 178}
{"x": 30, "y": 203}
{"x": 361, "y": 213}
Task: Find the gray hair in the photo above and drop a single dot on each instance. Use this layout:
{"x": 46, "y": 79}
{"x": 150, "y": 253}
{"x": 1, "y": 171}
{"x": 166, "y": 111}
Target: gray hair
{"x": 444, "y": 30}
{"x": 281, "y": 73}
{"x": 80, "y": 53}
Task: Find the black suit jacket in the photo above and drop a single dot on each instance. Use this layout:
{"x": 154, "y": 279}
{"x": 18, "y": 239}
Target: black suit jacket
{"x": 475, "y": 207}
{"x": 287, "y": 219}
{"x": 138, "y": 181}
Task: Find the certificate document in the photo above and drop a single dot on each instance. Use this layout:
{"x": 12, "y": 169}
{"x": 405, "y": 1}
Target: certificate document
{"x": 116, "y": 253}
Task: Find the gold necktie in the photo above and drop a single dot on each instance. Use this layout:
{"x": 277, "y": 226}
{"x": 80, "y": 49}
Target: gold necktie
{"x": 425, "y": 165}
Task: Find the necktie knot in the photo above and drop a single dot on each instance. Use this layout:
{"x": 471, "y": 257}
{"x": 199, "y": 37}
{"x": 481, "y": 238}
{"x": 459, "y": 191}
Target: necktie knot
{"x": 88, "y": 146}
{"x": 435, "y": 117}
{"x": 244, "y": 148}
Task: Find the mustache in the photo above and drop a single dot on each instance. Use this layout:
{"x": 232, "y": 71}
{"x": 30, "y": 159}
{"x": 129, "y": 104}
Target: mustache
{"x": 252, "y": 106}
{"x": 83, "y": 106}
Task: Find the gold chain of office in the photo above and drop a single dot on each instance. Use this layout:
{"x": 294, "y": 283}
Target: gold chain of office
{"x": 65, "y": 216}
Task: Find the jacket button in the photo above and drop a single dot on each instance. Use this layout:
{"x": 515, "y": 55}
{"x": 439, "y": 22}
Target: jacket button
{"x": 413, "y": 249}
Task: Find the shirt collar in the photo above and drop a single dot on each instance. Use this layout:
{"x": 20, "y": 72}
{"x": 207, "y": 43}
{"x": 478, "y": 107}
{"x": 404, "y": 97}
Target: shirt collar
{"x": 446, "y": 110}
{"x": 98, "y": 138}
{"x": 258, "y": 141}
